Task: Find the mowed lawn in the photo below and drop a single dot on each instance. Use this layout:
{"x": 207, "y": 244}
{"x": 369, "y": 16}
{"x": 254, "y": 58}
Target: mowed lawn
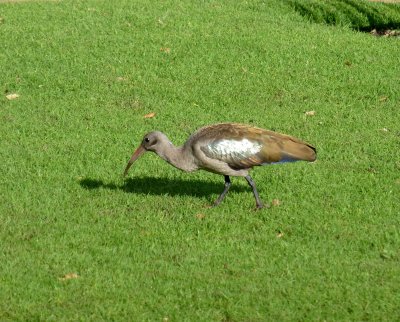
{"x": 79, "y": 242}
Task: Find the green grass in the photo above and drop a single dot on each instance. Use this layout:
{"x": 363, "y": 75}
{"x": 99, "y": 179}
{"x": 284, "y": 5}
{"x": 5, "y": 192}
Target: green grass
{"x": 88, "y": 71}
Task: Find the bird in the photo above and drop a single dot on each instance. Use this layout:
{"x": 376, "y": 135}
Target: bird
{"x": 229, "y": 149}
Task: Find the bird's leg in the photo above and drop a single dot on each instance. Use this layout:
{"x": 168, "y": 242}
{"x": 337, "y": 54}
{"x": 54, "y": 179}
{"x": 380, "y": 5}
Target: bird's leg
{"x": 252, "y": 184}
{"x": 223, "y": 194}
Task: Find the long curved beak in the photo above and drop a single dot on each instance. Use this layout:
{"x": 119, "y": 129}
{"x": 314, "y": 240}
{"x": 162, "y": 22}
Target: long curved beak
{"x": 139, "y": 151}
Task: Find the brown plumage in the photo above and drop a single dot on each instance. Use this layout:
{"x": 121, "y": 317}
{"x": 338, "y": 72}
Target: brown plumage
{"x": 230, "y": 149}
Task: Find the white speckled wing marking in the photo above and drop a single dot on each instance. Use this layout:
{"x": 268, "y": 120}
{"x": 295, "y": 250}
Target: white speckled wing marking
{"x": 233, "y": 152}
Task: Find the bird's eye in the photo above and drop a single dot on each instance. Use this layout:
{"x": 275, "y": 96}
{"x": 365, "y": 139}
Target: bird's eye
{"x": 147, "y": 140}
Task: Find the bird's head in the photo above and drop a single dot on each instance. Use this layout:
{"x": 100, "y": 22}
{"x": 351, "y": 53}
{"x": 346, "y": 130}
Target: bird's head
{"x": 152, "y": 141}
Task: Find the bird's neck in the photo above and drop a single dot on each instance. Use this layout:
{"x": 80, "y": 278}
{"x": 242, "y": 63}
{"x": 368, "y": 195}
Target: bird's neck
{"x": 180, "y": 157}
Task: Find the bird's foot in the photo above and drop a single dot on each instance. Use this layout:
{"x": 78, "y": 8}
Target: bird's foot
{"x": 261, "y": 206}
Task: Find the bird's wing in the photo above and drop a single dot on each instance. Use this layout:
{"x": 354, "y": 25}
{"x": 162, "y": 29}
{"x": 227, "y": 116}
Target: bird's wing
{"x": 238, "y": 154}
{"x": 243, "y": 147}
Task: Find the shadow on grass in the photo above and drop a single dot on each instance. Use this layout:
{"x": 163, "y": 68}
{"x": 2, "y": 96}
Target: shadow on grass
{"x": 162, "y": 186}
{"x": 360, "y": 15}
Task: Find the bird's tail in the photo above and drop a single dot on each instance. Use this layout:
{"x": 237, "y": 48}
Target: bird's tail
{"x": 296, "y": 150}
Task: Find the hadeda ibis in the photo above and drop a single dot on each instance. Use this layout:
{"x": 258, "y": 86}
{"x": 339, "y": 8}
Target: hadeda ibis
{"x": 230, "y": 149}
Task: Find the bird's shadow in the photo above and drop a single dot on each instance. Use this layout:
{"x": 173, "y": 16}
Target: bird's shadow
{"x": 162, "y": 186}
